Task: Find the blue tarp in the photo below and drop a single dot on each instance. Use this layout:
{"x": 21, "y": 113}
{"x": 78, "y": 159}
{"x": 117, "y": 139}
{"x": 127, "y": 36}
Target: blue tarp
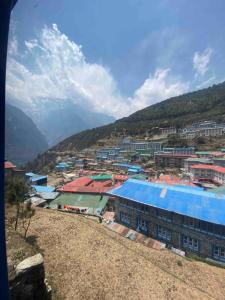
{"x": 186, "y": 201}
{"x": 43, "y": 189}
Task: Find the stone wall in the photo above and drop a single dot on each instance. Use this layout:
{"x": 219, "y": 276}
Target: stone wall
{"x": 27, "y": 280}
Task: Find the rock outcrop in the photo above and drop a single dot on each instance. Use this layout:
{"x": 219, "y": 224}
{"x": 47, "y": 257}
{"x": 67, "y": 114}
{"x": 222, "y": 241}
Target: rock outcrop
{"x": 29, "y": 280}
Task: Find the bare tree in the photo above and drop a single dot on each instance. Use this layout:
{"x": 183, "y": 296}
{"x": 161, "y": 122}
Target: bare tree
{"x": 27, "y": 212}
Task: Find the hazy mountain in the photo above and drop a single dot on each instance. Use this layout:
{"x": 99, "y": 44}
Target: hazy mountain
{"x": 23, "y": 140}
{"x": 206, "y": 104}
{"x": 58, "y": 119}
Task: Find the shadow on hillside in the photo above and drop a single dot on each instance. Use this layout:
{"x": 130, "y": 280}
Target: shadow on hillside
{"x": 32, "y": 240}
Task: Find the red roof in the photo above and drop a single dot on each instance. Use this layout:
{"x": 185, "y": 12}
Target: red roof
{"x": 171, "y": 180}
{"x": 88, "y": 189}
{"x": 209, "y": 167}
{"x": 120, "y": 177}
{"x": 82, "y": 181}
{"x": 100, "y": 184}
{"x": 9, "y": 165}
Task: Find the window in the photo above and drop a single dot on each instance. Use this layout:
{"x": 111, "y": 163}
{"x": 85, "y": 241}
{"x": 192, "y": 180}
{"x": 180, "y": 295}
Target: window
{"x": 142, "y": 225}
{"x": 164, "y": 215}
{"x": 143, "y": 208}
{"x": 125, "y": 218}
{"x": 189, "y": 222}
{"x": 164, "y": 233}
{"x": 219, "y": 253}
{"x": 190, "y": 243}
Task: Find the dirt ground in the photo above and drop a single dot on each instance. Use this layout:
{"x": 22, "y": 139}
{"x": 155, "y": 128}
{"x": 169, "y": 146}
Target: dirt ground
{"x": 85, "y": 260}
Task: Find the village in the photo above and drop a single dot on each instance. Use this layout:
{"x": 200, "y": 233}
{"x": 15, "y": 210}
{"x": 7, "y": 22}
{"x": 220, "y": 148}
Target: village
{"x": 162, "y": 197}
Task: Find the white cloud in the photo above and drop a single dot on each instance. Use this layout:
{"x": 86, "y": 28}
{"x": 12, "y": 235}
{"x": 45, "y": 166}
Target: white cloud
{"x": 201, "y": 61}
{"x": 54, "y": 67}
{"x": 13, "y": 46}
{"x": 207, "y": 82}
{"x": 158, "y": 87}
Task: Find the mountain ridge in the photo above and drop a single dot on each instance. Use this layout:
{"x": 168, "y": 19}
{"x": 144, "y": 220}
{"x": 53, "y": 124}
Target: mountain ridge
{"x": 23, "y": 140}
{"x": 176, "y": 111}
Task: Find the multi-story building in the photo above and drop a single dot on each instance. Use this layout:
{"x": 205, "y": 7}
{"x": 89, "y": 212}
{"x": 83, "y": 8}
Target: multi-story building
{"x": 206, "y": 128}
{"x": 195, "y": 160}
{"x": 142, "y": 147}
{"x": 179, "y": 150}
{"x": 208, "y": 172}
{"x": 168, "y": 130}
{"x": 107, "y": 153}
{"x": 170, "y": 160}
{"x": 187, "y": 218}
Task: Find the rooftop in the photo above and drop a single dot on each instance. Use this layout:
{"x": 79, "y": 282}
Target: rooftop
{"x": 9, "y": 165}
{"x": 77, "y": 200}
{"x": 186, "y": 200}
{"x": 43, "y": 189}
{"x": 209, "y": 167}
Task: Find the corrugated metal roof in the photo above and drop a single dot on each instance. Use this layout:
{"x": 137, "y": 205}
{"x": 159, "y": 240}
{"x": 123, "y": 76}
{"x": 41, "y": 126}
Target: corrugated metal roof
{"x": 81, "y": 181}
{"x": 43, "y": 189}
{"x": 9, "y": 165}
{"x": 49, "y": 195}
{"x": 120, "y": 177}
{"x": 77, "y": 200}
{"x": 102, "y": 177}
{"x": 209, "y": 167}
{"x": 30, "y": 174}
{"x": 127, "y": 166}
{"x": 38, "y": 177}
{"x": 186, "y": 201}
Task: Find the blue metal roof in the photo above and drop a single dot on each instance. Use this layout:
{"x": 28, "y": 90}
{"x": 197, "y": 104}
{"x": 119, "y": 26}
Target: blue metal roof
{"x": 128, "y": 166}
{"x": 186, "y": 201}
{"x": 38, "y": 177}
{"x": 133, "y": 170}
{"x": 30, "y": 174}
{"x": 44, "y": 189}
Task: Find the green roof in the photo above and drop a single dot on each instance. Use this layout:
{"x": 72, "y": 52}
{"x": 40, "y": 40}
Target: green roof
{"x": 80, "y": 200}
{"x": 102, "y": 177}
{"x": 223, "y": 149}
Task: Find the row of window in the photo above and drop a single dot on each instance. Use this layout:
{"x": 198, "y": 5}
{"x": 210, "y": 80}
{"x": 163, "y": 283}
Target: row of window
{"x": 165, "y": 234}
{"x": 202, "y": 226}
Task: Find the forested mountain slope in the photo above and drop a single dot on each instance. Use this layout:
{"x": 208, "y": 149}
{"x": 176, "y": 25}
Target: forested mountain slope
{"x": 178, "y": 111}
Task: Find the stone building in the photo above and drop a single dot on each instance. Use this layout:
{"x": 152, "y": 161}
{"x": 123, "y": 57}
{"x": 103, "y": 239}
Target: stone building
{"x": 187, "y": 218}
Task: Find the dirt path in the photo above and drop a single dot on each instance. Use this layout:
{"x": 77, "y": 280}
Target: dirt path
{"x": 84, "y": 260}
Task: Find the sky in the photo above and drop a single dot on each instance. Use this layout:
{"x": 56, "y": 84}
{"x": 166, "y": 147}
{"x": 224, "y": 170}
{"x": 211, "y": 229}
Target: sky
{"x": 116, "y": 56}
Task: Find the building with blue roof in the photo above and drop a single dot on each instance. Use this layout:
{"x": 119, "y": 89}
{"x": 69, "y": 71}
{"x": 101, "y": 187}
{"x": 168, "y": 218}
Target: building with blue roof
{"x": 184, "y": 217}
{"x": 36, "y": 179}
{"x": 43, "y": 189}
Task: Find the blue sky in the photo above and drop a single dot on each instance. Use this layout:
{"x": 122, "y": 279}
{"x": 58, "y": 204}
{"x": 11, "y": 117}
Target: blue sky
{"x": 134, "y": 52}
